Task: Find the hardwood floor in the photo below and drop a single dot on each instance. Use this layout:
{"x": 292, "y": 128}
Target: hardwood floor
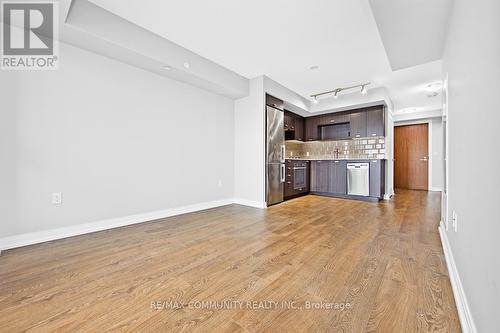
{"x": 382, "y": 262}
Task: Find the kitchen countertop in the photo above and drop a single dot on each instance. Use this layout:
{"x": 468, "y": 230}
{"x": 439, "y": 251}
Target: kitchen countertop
{"x": 334, "y": 159}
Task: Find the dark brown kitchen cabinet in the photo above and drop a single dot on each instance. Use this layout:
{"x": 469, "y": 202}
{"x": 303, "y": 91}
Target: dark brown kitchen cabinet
{"x": 274, "y": 102}
{"x": 375, "y": 122}
{"x": 334, "y": 118}
{"x": 293, "y": 126}
{"x": 297, "y": 178}
{"x": 311, "y": 126}
{"x": 289, "y": 121}
{"x": 358, "y": 124}
{"x": 338, "y": 177}
{"x": 320, "y": 176}
{"x": 288, "y": 179}
{"x": 377, "y": 178}
{"x": 299, "y": 128}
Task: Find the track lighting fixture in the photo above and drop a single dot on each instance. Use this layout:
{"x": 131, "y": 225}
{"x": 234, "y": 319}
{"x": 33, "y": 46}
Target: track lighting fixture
{"x": 336, "y": 91}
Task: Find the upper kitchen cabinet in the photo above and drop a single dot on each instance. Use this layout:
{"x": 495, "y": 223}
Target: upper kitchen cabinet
{"x": 311, "y": 127}
{"x": 334, "y": 118}
{"x": 299, "y": 128}
{"x": 375, "y": 125}
{"x": 274, "y": 102}
{"x": 294, "y": 126}
{"x": 289, "y": 123}
{"x": 358, "y": 124}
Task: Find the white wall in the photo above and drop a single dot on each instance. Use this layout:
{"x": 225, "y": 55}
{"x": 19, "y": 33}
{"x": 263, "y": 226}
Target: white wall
{"x": 389, "y": 147}
{"x": 7, "y": 153}
{"x": 116, "y": 140}
{"x": 249, "y": 146}
{"x": 472, "y": 61}
{"x": 436, "y": 155}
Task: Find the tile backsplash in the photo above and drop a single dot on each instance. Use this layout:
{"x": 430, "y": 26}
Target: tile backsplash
{"x": 373, "y": 147}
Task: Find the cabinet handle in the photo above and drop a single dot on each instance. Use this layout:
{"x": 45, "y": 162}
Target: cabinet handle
{"x": 374, "y": 134}
{"x": 358, "y": 135}
{"x": 332, "y": 121}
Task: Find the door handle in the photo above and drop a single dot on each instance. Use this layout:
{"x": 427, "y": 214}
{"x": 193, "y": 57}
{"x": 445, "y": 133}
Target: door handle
{"x": 282, "y": 173}
{"x": 282, "y": 157}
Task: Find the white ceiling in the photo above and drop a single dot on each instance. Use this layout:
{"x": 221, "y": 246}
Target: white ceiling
{"x": 413, "y": 31}
{"x": 283, "y": 39}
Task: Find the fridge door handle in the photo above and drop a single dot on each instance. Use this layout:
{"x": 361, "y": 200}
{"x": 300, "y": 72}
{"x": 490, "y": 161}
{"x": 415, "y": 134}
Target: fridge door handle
{"x": 282, "y": 157}
{"x": 282, "y": 173}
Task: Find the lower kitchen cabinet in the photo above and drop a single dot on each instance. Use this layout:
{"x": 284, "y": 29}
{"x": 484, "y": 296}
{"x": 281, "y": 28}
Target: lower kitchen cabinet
{"x": 320, "y": 176}
{"x": 377, "y": 178}
{"x": 296, "y": 178}
{"x": 338, "y": 177}
{"x": 330, "y": 178}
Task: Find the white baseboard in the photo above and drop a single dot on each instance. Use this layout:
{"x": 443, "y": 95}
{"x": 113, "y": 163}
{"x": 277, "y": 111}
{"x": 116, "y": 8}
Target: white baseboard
{"x": 464, "y": 313}
{"x": 80, "y": 229}
{"x": 435, "y": 189}
{"x": 250, "y": 203}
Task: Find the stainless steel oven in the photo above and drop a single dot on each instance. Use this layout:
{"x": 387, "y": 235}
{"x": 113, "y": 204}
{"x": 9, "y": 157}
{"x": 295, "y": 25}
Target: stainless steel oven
{"x": 299, "y": 175}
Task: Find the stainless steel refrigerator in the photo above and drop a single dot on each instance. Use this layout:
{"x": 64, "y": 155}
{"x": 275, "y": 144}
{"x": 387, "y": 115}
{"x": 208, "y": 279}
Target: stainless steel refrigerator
{"x": 275, "y": 155}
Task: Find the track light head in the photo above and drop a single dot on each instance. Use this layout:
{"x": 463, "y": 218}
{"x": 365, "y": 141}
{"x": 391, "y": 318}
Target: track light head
{"x": 364, "y": 91}
{"x": 336, "y": 93}
{"x": 315, "y": 100}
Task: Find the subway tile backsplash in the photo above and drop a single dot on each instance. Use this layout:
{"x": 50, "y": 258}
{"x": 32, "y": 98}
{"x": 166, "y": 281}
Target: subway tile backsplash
{"x": 348, "y": 149}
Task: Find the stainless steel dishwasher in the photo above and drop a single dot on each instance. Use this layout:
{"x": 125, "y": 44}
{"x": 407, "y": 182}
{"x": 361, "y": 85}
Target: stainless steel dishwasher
{"x": 358, "y": 179}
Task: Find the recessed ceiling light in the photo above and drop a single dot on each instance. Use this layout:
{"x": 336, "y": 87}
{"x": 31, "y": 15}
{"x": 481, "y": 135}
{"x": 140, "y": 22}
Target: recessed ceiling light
{"x": 167, "y": 67}
{"x": 408, "y": 110}
{"x": 315, "y": 100}
{"x": 434, "y": 87}
{"x": 313, "y": 68}
{"x": 186, "y": 65}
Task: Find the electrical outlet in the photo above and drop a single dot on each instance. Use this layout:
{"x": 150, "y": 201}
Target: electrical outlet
{"x": 57, "y": 198}
{"x": 454, "y": 221}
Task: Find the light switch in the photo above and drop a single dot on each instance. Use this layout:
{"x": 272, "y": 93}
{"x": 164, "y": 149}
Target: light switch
{"x": 57, "y": 198}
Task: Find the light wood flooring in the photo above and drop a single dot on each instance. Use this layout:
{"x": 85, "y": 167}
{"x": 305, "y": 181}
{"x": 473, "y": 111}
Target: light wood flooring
{"x": 384, "y": 260}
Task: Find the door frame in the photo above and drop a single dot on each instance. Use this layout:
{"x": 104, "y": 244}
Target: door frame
{"x": 429, "y": 148}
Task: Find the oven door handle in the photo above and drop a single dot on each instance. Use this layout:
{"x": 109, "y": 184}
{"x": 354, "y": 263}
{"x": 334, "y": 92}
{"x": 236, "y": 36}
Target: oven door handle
{"x": 299, "y": 168}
